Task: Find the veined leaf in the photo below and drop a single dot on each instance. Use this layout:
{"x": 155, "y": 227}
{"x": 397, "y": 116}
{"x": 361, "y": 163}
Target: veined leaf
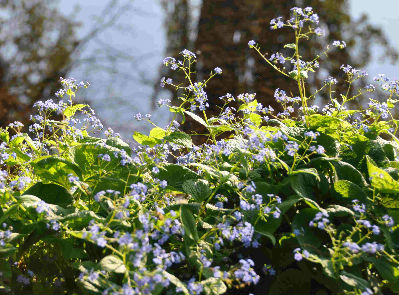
{"x": 349, "y": 190}
{"x": 188, "y": 221}
{"x": 157, "y": 133}
{"x": 145, "y": 140}
{"x": 55, "y": 169}
{"x": 180, "y": 138}
{"x": 380, "y": 179}
{"x": 113, "y": 263}
{"x": 71, "y": 110}
{"x": 196, "y": 118}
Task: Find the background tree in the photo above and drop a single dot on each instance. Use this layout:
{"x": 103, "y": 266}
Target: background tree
{"x": 225, "y": 27}
{"x": 38, "y": 45}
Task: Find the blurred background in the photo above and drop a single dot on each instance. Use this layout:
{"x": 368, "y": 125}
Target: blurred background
{"x": 118, "y": 46}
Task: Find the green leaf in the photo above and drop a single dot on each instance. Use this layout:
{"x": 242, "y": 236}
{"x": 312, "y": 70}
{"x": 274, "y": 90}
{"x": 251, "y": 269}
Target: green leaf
{"x": 86, "y": 155}
{"x": 264, "y": 228}
{"x": 55, "y": 169}
{"x": 380, "y": 179}
{"x": 146, "y": 140}
{"x": 81, "y": 219}
{"x": 290, "y": 45}
{"x": 310, "y": 239}
{"x": 330, "y": 144}
{"x": 346, "y": 171}
{"x": 119, "y": 144}
{"x": 311, "y": 171}
{"x": 113, "y": 183}
{"x": 214, "y": 286}
{"x": 387, "y": 271}
{"x": 291, "y": 281}
{"x": 176, "y": 175}
{"x": 112, "y": 263}
{"x": 5, "y": 269}
{"x": 217, "y": 129}
{"x": 180, "y": 138}
{"x": 175, "y": 281}
{"x": 71, "y": 110}
{"x": 198, "y": 189}
{"x": 303, "y": 184}
{"x": 50, "y": 193}
{"x": 196, "y": 118}
{"x": 4, "y": 135}
{"x": 13, "y": 208}
{"x": 354, "y": 281}
{"x": 189, "y": 224}
{"x": 255, "y": 118}
{"x": 157, "y": 133}
{"x": 339, "y": 211}
{"x": 20, "y": 157}
{"x": 349, "y": 190}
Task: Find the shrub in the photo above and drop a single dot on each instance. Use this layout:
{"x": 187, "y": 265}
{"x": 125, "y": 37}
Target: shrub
{"x": 300, "y": 202}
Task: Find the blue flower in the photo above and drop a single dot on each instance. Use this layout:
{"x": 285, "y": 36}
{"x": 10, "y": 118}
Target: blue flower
{"x": 218, "y": 70}
{"x": 42, "y": 206}
{"x": 298, "y": 256}
{"x": 353, "y": 247}
{"x": 187, "y": 54}
{"x": 251, "y": 43}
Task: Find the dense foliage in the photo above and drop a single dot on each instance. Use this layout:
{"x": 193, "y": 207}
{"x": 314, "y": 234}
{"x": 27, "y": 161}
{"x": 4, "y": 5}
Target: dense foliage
{"x": 300, "y": 202}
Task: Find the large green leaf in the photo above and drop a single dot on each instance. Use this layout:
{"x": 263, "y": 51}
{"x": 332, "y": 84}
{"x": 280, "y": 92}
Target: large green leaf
{"x": 267, "y": 228}
{"x": 189, "y": 224}
{"x": 349, "y": 190}
{"x": 387, "y": 271}
{"x": 86, "y": 155}
{"x": 310, "y": 239}
{"x": 175, "y": 281}
{"x": 112, "y": 263}
{"x": 81, "y": 219}
{"x": 157, "y": 133}
{"x": 145, "y": 139}
{"x": 71, "y": 110}
{"x": 214, "y": 286}
{"x": 330, "y": 144}
{"x": 176, "y": 175}
{"x": 17, "y": 157}
{"x": 112, "y": 183}
{"x": 381, "y": 180}
{"x": 303, "y": 184}
{"x": 199, "y": 189}
{"x": 339, "y": 211}
{"x": 196, "y": 118}
{"x": 53, "y": 211}
{"x": 354, "y": 281}
{"x": 4, "y": 135}
{"x": 180, "y": 138}
{"x": 291, "y": 281}
{"x": 346, "y": 171}
{"x": 119, "y": 144}
{"x": 55, "y": 169}
{"x": 50, "y": 193}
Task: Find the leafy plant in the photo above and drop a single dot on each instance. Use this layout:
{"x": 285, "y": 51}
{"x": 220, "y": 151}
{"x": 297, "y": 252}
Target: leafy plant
{"x": 283, "y": 201}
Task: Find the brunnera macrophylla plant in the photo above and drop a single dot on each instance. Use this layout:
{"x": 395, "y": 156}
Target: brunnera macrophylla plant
{"x": 304, "y": 201}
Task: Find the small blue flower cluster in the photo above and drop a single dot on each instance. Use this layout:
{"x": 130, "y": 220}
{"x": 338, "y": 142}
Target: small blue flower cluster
{"x": 4, "y": 235}
{"x": 299, "y": 256}
{"x": 320, "y": 220}
{"x": 246, "y": 273}
{"x": 299, "y": 16}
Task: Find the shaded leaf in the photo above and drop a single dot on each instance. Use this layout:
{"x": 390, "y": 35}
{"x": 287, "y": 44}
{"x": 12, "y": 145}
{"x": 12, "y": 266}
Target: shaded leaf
{"x": 189, "y": 224}
{"x": 112, "y": 263}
